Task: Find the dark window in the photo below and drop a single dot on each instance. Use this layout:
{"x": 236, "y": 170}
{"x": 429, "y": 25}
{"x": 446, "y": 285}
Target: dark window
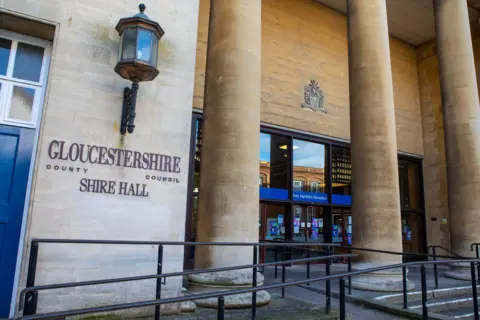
{"x": 341, "y": 176}
{"x": 409, "y": 176}
{"x": 198, "y": 148}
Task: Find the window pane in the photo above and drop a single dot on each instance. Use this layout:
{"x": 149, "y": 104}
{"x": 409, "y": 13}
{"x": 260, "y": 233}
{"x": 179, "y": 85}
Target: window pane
{"x": 128, "y": 44}
{"x": 22, "y": 104}
{"x": 342, "y": 226}
{"x": 274, "y": 224}
{"x": 144, "y": 45}
{"x": 5, "y": 46}
{"x": 308, "y": 171}
{"x": 409, "y": 175}
{"x": 341, "y": 176}
{"x": 198, "y": 147}
{"x": 28, "y": 62}
{"x": 273, "y": 166}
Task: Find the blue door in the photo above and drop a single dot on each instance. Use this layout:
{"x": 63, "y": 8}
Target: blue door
{"x": 16, "y": 146}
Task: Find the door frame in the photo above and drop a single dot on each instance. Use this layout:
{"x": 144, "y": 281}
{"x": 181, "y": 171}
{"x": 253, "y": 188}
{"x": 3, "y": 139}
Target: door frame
{"x": 45, "y": 76}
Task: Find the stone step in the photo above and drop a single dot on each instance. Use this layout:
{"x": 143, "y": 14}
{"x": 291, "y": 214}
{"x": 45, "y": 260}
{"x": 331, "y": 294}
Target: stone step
{"x": 460, "y": 313}
{"x": 444, "y": 305}
{"x": 433, "y": 294}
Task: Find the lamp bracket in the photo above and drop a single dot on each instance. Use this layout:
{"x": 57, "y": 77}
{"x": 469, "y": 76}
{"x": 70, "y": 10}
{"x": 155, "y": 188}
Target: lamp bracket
{"x": 127, "y": 122}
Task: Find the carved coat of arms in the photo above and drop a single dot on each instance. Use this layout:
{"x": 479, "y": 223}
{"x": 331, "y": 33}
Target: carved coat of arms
{"x": 313, "y": 97}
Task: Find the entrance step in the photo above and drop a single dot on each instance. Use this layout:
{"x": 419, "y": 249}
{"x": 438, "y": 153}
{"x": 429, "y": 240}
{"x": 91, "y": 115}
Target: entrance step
{"x": 447, "y": 303}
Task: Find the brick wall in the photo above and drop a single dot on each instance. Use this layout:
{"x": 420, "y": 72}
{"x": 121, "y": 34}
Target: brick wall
{"x": 303, "y": 41}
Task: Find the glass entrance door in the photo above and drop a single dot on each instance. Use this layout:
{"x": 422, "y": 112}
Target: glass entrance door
{"x": 308, "y": 226}
{"x": 342, "y": 226}
{"x": 274, "y": 226}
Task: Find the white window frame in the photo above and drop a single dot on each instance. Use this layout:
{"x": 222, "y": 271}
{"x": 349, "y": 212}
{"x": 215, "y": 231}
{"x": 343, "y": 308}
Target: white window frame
{"x": 315, "y": 186}
{"x": 8, "y": 82}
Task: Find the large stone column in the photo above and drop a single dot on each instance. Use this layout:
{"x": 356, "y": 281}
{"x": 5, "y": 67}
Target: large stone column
{"x": 229, "y": 195}
{"x": 375, "y": 184}
{"x": 461, "y": 113}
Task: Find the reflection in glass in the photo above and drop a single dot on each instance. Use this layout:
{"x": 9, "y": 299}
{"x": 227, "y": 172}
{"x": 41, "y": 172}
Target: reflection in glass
{"x": 341, "y": 176}
{"x": 5, "y": 46}
{"x": 309, "y": 172}
{"x": 409, "y": 175}
{"x": 128, "y": 44}
{"x": 273, "y": 166}
{"x": 28, "y": 62}
{"x": 144, "y": 45}
{"x": 22, "y": 104}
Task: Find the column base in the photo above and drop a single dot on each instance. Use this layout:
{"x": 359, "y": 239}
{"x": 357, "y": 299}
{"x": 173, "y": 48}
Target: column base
{"x": 224, "y": 281}
{"x": 459, "y": 271}
{"x": 383, "y": 281}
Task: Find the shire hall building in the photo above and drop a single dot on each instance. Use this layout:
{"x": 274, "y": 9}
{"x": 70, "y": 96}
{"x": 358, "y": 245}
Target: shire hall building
{"x": 350, "y": 122}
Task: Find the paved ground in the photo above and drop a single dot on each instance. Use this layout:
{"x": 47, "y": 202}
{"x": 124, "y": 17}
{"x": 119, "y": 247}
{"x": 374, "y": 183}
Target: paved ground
{"x": 299, "y": 272}
{"x": 308, "y": 302}
{"x": 300, "y": 304}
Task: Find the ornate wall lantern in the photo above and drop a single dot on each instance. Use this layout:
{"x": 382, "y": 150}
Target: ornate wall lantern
{"x": 137, "y": 59}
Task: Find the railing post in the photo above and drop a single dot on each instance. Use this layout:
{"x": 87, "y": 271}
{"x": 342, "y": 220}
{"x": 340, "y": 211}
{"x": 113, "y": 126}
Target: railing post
{"x": 158, "y": 294}
{"x": 283, "y": 273}
{"x": 327, "y": 283}
{"x": 276, "y": 260}
{"x": 478, "y": 265}
{"x": 474, "y": 291}
{"x": 308, "y": 265}
{"x": 342, "y": 299}
{"x": 30, "y": 304}
{"x": 254, "y": 277}
{"x": 221, "y": 308}
{"x": 435, "y": 267}
{"x": 349, "y": 270}
{"x": 404, "y": 279}
{"x": 424, "y": 293}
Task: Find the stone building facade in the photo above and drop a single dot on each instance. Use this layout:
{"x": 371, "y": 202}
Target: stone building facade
{"x": 381, "y": 117}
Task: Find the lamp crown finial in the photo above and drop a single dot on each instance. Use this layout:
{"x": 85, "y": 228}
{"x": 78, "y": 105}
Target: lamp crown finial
{"x": 142, "y": 7}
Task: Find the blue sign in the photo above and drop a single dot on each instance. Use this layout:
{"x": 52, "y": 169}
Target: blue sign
{"x": 273, "y": 193}
{"x": 341, "y": 199}
{"x": 310, "y": 196}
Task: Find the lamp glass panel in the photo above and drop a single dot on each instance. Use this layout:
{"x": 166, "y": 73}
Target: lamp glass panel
{"x": 144, "y": 45}
{"x": 154, "y": 50}
{"x": 128, "y": 44}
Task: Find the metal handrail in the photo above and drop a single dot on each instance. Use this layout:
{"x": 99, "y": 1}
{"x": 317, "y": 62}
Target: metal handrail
{"x": 435, "y": 256}
{"x": 222, "y": 294}
{"x": 166, "y": 275}
{"x": 433, "y": 247}
{"x": 179, "y": 243}
{"x": 477, "y": 253}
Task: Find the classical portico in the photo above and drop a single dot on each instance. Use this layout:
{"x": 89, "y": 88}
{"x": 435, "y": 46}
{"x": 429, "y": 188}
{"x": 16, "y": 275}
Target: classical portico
{"x": 228, "y": 203}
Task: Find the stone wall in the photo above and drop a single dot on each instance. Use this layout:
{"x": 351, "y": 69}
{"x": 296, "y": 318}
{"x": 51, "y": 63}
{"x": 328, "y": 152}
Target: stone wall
{"x": 83, "y": 105}
{"x": 434, "y": 163}
{"x": 302, "y": 41}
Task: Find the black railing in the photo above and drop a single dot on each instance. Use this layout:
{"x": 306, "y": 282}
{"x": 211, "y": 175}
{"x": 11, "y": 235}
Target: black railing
{"x": 30, "y": 294}
{"x": 477, "y": 254}
{"x": 434, "y": 254}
